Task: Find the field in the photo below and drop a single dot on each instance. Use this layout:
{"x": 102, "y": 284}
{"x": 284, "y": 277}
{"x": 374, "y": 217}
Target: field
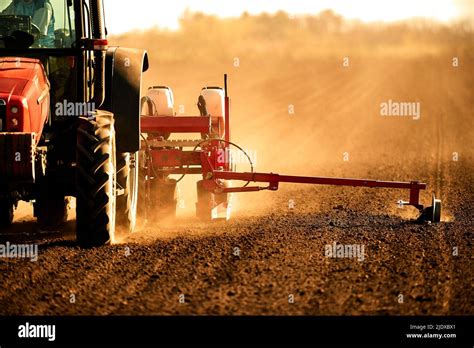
{"x": 306, "y": 99}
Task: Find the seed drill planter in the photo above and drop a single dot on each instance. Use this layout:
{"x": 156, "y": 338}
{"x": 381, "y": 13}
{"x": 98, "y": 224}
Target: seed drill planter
{"x": 161, "y": 157}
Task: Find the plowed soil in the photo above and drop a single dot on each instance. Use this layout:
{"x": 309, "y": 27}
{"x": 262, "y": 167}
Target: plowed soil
{"x": 270, "y": 259}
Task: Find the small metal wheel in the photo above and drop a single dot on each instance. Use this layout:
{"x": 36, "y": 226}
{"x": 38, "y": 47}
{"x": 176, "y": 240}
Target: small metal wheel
{"x": 436, "y": 205}
{"x": 431, "y": 213}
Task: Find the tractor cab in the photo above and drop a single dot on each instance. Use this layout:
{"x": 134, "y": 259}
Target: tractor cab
{"x": 37, "y": 24}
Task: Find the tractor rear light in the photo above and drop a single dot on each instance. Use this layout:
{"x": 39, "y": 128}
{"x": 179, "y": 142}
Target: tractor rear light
{"x": 95, "y": 44}
{"x": 14, "y": 117}
{"x": 100, "y": 43}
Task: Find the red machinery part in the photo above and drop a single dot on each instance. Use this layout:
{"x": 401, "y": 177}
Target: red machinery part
{"x": 170, "y": 124}
{"x": 17, "y": 157}
{"x": 275, "y": 179}
{"x": 227, "y": 121}
{"x": 24, "y": 91}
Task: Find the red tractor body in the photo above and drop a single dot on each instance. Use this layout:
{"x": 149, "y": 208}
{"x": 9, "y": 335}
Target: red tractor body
{"x": 24, "y": 109}
{"x": 24, "y": 95}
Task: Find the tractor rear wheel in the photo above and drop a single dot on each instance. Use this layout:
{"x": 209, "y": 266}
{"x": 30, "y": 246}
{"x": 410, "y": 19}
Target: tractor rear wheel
{"x": 6, "y": 212}
{"x": 96, "y": 180}
{"x": 127, "y": 180}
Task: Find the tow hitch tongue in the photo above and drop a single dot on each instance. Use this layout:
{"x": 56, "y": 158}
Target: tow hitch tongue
{"x": 204, "y": 156}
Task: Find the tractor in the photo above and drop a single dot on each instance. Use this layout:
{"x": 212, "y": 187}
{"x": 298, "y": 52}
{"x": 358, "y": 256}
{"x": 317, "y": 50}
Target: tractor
{"x": 69, "y": 118}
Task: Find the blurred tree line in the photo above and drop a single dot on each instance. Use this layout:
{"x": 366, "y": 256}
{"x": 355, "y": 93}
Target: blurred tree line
{"x": 280, "y": 35}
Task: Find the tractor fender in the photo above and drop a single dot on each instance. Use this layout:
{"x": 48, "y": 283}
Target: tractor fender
{"x": 124, "y": 68}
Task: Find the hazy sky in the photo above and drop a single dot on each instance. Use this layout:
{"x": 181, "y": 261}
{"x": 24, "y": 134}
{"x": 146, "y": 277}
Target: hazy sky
{"x": 125, "y": 15}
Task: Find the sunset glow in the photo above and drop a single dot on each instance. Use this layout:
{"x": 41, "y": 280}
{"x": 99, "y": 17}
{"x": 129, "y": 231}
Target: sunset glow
{"x": 123, "y": 17}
